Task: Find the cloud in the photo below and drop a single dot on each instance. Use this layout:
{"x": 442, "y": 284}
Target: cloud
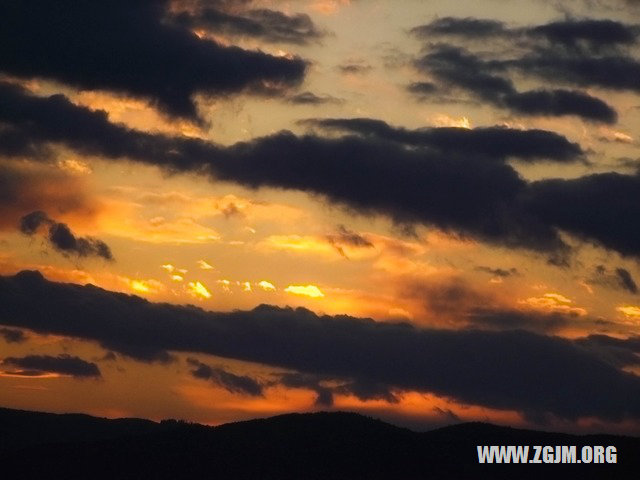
{"x": 505, "y": 318}
{"x": 459, "y": 68}
{"x": 305, "y": 291}
{"x": 626, "y": 280}
{"x": 231, "y": 382}
{"x": 143, "y": 286}
{"x": 632, "y": 312}
{"x": 29, "y": 224}
{"x": 198, "y": 290}
{"x": 374, "y": 175}
{"x": 349, "y": 237}
{"x": 311, "y": 382}
{"x": 554, "y": 303}
{"x": 129, "y": 49}
{"x": 265, "y": 24}
{"x": 13, "y": 336}
{"x": 225, "y": 285}
{"x": 62, "y": 364}
{"x": 611, "y": 71}
{"x": 598, "y": 206}
{"x": 596, "y": 32}
{"x": 310, "y": 98}
{"x": 577, "y": 52}
{"x": 453, "y": 301}
{"x": 618, "y": 351}
{"x": 463, "y": 27}
{"x": 345, "y": 238}
{"x": 573, "y": 34}
{"x": 62, "y": 238}
{"x": 325, "y": 388}
{"x": 497, "y": 143}
{"x": 267, "y": 286}
{"x": 500, "y": 370}
{"x": 355, "y": 68}
{"x": 559, "y": 102}
{"x": 619, "y": 279}
{"x": 423, "y": 89}
{"x": 204, "y": 265}
{"x": 498, "y": 272}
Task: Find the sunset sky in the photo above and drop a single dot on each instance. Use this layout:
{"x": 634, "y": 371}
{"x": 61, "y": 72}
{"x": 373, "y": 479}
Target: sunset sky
{"x": 424, "y": 211}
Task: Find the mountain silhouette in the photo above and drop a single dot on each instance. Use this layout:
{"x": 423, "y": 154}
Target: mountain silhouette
{"x": 336, "y": 445}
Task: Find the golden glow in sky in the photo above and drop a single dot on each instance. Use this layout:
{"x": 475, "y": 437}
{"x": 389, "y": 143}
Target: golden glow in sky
{"x": 428, "y": 167}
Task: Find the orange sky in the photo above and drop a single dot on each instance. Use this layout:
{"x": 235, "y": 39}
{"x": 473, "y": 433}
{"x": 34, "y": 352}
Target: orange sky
{"x": 187, "y": 237}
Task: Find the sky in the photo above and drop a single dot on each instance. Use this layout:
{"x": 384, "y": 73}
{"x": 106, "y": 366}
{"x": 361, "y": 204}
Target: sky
{"x": 426, "y": 212}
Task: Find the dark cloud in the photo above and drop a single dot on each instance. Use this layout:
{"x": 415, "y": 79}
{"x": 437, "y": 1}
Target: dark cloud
{"x": 597, "y": 207}
{"x": 324, "y": 398}
{"x": 62, "y": 364}
{"x": 30, "y": 223}
{"x": 617, "y": 351}
{"x": 596, "y": 32}
{"x": 495, "y": 369}
{"x": 410, "y": 185}
{"x": 127, "y": 47}
{"x": 498, "y": 272}
{"x": 626, "y": 280}
{"x": 559, "y": 102}
{"x": 353, "y": 68}
{"x": 459, "y": 68}
{"x": 381, "y": 170}
{"x": 463, "y": 27}
{"x": 578, "y": 52}
{"x": 626, "y": 162}
{"x": 13, "y": 143}
{"x": 326, "y": 387}
{"x": 349, "y": 170}
{"x": 109, "y": 357}
{"x": 423, "y": 90}
{"x": 613, "y": 71}
{"x": 447, "y": 414}
{"x": 310, "y": 382}
{"x": 11, "y": 335}
{"x": 310, "y": 98}
{"x": 62, "y": 238}
{"x": 265, "y": 24}
{"x": 592, "y": 54}
{"x": 619, "y": 279}
{"x": 345, "y": 237}
{"x": 593, "y": 34}
{"x": 497, "y": 143}
{"x": 367, "y": 391}
{"x": 505, "y": 318}
{"x": 231, "y": 382}
{"x": 351, "y": 238}
{"x": 56, "y": 119}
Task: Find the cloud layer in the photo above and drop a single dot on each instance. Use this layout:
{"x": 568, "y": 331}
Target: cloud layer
{"x": 62, "y": 238}
{"x": 33, "y": 365}
{"x": 534, "y": 374}
{"x": 565, "y": 55}
{"x": 432, "y": 177}
{"x": 261, "y": 23}
{"x": 128, "y": 48}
